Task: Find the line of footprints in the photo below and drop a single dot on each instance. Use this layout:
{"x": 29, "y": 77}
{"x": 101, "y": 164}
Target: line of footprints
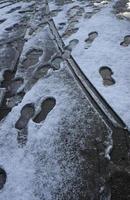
{"x": 27, "y": 113}
{"x": 105, "y": 71}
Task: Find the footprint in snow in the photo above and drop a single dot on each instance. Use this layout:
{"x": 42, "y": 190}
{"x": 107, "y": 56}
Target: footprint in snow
{"x": 27, "y": 113}
{"x": 2, "y": 21}
{"x": 91, "y": 37}
{"x": 126, "y": 41}
{"x": 106, "y": 74}
{"x": 56, "y": 62}
{"x": 46, "y": 106}
{"x": 3, "y": 177}
{"x": 72, "y": 44}
{"x": 32, "y": 58}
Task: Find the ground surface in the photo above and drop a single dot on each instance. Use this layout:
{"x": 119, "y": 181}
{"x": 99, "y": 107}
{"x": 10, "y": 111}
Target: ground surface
{"x": 53, "y": 142}
{"x": 98, "y": 34}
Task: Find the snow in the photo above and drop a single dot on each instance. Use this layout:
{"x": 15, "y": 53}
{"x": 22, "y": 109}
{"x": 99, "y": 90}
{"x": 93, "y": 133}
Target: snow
{"x": 104, "y": 51}
{"x": 45, "y": 164}
{"x": 13, "y": 17}
{"x": 50, "y": 163}
{"x": 19, "y": 163}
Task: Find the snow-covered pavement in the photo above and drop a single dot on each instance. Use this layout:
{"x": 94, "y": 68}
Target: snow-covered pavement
{"x": 54, "y": 144}
{"x": 99, "y": 38}
{"x": 56, "y": 158}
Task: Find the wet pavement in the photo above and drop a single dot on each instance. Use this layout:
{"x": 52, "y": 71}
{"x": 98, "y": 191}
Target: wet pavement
{"x": 54, "y": 142}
